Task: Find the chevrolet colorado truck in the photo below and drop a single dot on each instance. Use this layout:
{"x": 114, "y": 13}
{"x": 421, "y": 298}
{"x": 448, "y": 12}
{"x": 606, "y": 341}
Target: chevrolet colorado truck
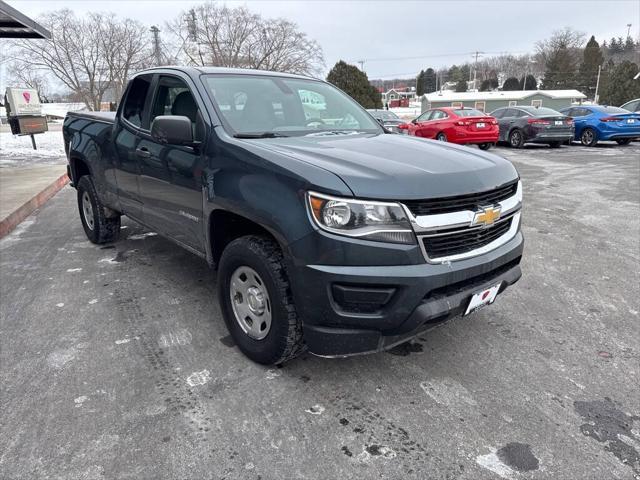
{"x": 328, "y": 232}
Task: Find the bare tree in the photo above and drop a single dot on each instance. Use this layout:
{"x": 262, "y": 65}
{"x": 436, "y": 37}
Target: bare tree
{"x": 235, "y": 37}
{"x": 22, "y": 75}
{"x": 88, "y": 55}
{"x": 125, "y": 47}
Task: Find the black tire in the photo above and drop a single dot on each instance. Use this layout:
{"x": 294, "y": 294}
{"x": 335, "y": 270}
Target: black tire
{"x": 98, "y": 227}
{"x": 484, "y": 146}
{"x": 623, "y": 141}
{"x": 284, "y": 338}
{"x": 516, "y": 138}
{"x": 589, "y": 137}
{"x": 442, "y": 137}
{"x": 555, "y": 144}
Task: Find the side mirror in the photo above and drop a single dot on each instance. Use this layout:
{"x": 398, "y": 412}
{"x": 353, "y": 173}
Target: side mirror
{"x": 414, "y": 121}
{"x": 380, "y": 121}
{"x": 172, "y": 130}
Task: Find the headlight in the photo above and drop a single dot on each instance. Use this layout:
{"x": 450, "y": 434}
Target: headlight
{"x": 379, "y": 221}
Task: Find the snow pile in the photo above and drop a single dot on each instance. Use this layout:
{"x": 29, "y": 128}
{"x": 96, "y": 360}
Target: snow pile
{"x": 17, "y": 151}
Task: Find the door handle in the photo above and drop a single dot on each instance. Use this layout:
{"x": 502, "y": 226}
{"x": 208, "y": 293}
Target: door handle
{"x": 143, "y": 152}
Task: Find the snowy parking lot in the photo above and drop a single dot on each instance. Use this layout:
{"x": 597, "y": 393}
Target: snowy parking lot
{"x": 117, "y": 364}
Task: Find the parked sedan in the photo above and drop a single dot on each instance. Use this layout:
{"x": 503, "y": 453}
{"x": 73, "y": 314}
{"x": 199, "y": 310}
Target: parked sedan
{"x": 632, "y": 106}
{"x": 387, "y": 119}
{"x": 523, "y": 124}
{"x": 456, "y": 125}
{"x": 599, "y": 122}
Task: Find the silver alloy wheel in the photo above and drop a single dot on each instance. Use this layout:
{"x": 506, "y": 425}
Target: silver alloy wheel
{"x": 250, "y": 302}
{"x": 515, "y": 138}
{"x": 587, "y": 137}
{"x": 441, "y": 137}
{"x": 87, "y": 210}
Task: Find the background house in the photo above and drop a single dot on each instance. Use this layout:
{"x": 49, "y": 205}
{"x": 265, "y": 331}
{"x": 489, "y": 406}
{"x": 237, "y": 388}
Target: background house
{"x": 489, "y": 101}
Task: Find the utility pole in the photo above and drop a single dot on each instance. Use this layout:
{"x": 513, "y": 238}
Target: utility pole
{"x": 361, "y": 62}
{"x": 628, "y": 30}
{"x": 156, "y": 44}
{"x": 475, "y": 67}
{"x": 595, "y": 97}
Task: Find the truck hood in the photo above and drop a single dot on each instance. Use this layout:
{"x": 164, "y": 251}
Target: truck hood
{"x": 398, "y": 167}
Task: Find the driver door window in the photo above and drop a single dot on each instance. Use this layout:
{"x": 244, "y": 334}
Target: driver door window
{"x": 173, "y": 97}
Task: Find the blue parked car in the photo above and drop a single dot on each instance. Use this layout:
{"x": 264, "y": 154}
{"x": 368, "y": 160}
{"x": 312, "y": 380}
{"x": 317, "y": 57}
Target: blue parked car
{"x": 599, "y": 122}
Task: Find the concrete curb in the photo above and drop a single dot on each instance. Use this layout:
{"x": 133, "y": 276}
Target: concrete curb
{"x": 13, "y": 220}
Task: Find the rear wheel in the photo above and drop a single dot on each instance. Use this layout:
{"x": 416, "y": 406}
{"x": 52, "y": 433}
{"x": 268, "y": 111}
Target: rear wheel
{"x": 555, "y": 144}
{"x": 516, "y": 139}
{"x": 588, "y": 138}
{"x": 484, "y": 146}
{"x": 99, "y": 226}
{"x": 441, "y": 137}
{"x": 256, "y": 301}
{"x": 623, "y": 141}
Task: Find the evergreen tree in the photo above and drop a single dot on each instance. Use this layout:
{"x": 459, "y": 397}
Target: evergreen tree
{"x": 620, "y": 87}
{"x": 614, "y": 46}
{"x": 355, "y": 83}
{"x": 453, "y": 74}
{"x": 461, "y": 86}
{"x": 629, "y": 45}
{"x": 511, "y": 84}
{"x": 530, "y": 81}
{"x": 429, "y": 80}
{"x": 420, "y": 83}
{"x": 592, "y": 58}
{"x": 560, "y": 70}
{"x": 489, "y": 84}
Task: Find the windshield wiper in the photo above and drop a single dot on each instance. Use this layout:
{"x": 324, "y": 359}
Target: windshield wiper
{"x": 325, "y": 133}
{"x": 259, "y": 135}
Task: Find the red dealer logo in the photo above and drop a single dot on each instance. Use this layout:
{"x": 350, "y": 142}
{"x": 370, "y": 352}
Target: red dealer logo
{"x": 27, "y": 96}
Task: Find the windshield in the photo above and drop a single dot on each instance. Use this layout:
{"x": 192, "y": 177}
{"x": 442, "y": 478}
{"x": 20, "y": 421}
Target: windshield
{"x": 469, "y": 112}
{"x": 281, "y": 106}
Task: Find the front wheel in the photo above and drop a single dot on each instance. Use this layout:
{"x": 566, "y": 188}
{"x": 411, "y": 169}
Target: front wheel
{"x": 484, "y": 146}
{"x": 98, "y": 226}
{"x": 588, "y": 138}
{"x": 441, "y": 137}
{"x": 256, "y": 301}
{"x": 623, "y": 141}
{"x": 516, "y": 139}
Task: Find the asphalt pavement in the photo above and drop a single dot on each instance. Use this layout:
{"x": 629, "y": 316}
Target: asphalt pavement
{"x": 115, "y": 362}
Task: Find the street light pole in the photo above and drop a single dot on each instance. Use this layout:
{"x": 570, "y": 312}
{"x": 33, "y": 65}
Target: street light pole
{"x": 595, "y": 96}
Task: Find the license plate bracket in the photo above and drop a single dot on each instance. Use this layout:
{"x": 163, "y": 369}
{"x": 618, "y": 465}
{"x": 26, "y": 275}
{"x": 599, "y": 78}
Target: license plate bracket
{"x": 482, "y": 298}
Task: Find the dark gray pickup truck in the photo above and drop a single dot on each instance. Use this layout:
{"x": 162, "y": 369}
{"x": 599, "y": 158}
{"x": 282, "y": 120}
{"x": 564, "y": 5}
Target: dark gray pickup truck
{"x": 329, "y": 232}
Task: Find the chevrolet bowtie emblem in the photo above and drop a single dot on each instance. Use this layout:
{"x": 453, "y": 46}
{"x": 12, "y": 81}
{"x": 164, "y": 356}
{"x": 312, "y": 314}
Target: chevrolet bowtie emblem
{"x": 487, "y": 216}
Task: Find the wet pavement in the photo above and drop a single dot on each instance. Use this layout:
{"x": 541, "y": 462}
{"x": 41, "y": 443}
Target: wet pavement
{"x": 115, "y": 362}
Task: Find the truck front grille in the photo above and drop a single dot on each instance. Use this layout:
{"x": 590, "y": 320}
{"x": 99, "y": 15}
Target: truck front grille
{"x": 463, "y": 240}
{"x": 471, "y": 201}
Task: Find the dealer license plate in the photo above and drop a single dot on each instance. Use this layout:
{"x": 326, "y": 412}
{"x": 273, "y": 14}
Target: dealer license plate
{"x": 558, "y": 122}
{"x": 631, "y": 120}
{"x": 482, "y": 299}
{"x": 480, "y": 125}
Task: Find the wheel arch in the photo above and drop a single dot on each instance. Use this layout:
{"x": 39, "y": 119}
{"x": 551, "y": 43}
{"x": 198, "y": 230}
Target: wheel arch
{"x": 225, "y": 226}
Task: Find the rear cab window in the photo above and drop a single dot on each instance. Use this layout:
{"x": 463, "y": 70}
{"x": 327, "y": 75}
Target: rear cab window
{"x": 133, "y": 106}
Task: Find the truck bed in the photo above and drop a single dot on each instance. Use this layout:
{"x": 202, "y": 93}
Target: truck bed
{"x": 106, "y": 117}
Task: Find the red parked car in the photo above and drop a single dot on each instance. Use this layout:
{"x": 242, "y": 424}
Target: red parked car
{"x": 457, "y": 125}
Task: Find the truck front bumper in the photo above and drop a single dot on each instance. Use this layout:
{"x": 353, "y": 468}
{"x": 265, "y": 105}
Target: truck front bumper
{"x": 350, "y": 310}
